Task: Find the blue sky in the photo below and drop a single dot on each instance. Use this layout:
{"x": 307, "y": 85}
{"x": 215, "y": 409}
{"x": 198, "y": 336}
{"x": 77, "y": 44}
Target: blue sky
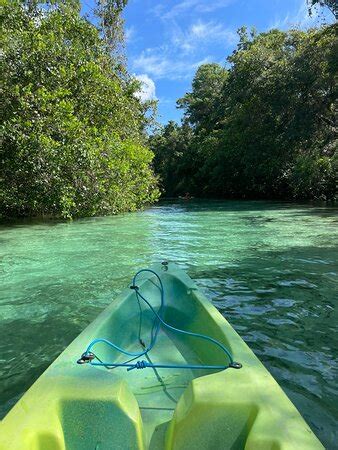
{"x": 166, "y": 40}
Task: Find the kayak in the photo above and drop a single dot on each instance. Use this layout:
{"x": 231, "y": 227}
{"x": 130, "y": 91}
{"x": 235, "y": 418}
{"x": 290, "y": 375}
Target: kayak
{"x": 160, "y": 368}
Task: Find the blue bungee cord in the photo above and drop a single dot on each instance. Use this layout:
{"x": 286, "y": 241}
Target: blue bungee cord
{"x": 89, "y": 357}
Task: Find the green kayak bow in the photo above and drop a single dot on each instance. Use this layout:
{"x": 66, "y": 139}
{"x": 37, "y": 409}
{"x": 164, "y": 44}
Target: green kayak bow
{"x": 160, "y": 368}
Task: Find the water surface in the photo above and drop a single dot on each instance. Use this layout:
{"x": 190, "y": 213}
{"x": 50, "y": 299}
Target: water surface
{"x": 270, "y": 268}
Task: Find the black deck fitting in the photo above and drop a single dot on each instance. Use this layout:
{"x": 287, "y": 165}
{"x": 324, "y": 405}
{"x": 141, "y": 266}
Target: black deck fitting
{"x": 235, "y": 365}
{"x": 85, "y": 358}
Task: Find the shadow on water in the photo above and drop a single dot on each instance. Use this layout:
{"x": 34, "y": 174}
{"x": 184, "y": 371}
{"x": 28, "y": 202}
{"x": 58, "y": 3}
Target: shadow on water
{"x": 200, "y": 205}
{"x": 28, "y": 348}
{"x": 29, "y": 221}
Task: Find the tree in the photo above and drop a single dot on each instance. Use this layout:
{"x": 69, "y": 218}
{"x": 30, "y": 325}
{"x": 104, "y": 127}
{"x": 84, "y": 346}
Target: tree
{"x": 281, "y": 93}
{"x": 74, "y": 140}
{"x": 172, "y": 161}
{"x": 201, "y": 105}
{"x": 264, "y": 128}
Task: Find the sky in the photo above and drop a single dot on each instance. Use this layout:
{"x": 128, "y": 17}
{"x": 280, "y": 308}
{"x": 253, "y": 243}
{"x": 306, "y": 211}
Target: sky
{"x": 166, "y": 40}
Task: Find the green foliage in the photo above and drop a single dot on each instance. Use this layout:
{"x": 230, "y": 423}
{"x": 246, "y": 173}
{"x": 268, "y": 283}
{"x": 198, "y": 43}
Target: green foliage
{"x": 315, "y": 176}
{"x": 175, "y": 160}
{"x": 200, "y": 105}
{"x": 74, "y": 140}
{"x": 264, "y": 128}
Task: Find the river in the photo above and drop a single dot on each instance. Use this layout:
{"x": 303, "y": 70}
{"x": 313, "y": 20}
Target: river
{"x": 269, "y": 267}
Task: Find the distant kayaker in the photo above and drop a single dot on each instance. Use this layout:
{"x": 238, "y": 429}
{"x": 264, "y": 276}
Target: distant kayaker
{"x": 186, "y": 196}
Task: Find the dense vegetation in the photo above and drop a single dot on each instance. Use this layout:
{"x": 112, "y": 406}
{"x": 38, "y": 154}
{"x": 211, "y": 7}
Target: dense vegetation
{"x": 74, "y": 132}
{"x": 263, "y": 127}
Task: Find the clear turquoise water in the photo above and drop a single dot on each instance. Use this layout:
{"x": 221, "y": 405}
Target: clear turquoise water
{"x": 270, "y": 268}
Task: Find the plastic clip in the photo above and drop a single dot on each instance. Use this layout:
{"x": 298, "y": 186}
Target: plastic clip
{"x": 86, "y": 358}
{"x": 235, "y": 365}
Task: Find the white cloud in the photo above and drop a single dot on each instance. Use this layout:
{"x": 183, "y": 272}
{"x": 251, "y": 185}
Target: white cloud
{"x": 203, "y": 33}
{"x": 185, "y": 5}
{"x": 199, "y": 30}
{"x": 210, "y": 6}
{"x": 130, "y": 34}
{"x": 159, "y": 63}
{"x": 188, "y": 47}
{"x": 148, "y": 89}
{"x": 189, "y": 6}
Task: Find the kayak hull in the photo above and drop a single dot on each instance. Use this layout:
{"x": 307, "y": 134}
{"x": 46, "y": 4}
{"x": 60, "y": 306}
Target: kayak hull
{"x": 84, "y": 407}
